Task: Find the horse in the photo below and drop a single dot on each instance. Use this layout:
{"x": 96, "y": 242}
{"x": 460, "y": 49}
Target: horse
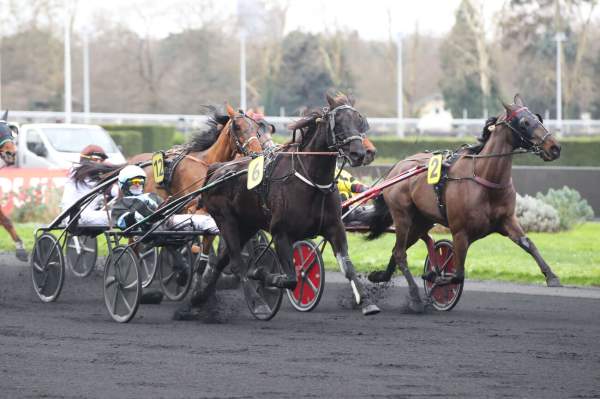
{"x": 227, "y": 137}
{"x": 297, "y": 198}
{"x": 478, "y": 199}
{"x": 8, "y": 153}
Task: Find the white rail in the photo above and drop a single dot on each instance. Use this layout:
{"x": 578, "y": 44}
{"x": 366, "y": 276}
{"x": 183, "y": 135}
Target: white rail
{"x": 379, "y": 126}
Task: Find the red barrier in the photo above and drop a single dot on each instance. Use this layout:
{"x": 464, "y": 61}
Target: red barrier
{"x": 14, "y": 182}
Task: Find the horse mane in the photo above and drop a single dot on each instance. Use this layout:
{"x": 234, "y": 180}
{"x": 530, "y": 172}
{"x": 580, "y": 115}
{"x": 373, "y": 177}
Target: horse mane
{"x": 94, "y": 172}
{"x": 307, "y": 125}
{"x": 204, "y": 139}
{"x": 485, "y": 135}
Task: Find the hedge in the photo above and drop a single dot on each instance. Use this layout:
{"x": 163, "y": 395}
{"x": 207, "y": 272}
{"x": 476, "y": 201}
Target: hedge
{"x": 153, "y": 137}
{"x": 581, "y": 151}
{"x": 130, "y": 141}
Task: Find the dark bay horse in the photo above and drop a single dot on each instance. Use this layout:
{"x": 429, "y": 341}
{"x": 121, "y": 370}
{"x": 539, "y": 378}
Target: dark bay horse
{"x": 8, "y": 153}
{"x": 479, "y": 197}
{"x": 297, "y": 199}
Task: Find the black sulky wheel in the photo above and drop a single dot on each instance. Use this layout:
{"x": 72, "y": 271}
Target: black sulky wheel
{"x": 148, "y": 258}
{"x": 310, "y": 271}
{"x": 262, "y": 300}
{"x": 443, "y": 296}
{"x": 81, "y": 254}
{"x": 47, "y": 268}
{"x": 122, "y": 284}
{"x": 175, "y": 271}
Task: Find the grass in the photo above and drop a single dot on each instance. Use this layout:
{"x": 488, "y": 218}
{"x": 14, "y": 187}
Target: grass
{"x": 573, "y": 255}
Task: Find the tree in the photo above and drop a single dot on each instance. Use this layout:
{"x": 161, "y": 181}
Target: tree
{"x": 533, "y": 41}
{"x": 468, "y": 79}
{"x": 311, "y": 64}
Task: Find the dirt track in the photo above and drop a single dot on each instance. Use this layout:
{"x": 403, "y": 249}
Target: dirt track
{"x": 491, "y": 345}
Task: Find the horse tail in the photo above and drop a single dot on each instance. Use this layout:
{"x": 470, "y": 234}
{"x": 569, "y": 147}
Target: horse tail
{"x": 95, "y": 172}
{"x": 379, "y": 219}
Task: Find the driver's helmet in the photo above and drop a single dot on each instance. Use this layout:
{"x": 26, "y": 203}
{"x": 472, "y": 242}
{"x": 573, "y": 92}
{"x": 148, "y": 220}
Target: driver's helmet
{"x": 131, "y": 180}
{"x": 92, "y": 153}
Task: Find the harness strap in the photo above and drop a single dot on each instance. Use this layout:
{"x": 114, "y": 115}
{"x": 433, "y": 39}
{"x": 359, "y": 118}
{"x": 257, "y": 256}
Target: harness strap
{"x": 315, "y": 185}
{"x": 488, "y": 184}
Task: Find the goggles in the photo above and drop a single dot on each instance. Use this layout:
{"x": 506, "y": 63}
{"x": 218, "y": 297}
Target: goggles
{"x": 137, "y": 181}
{"x": 95, "y": 157}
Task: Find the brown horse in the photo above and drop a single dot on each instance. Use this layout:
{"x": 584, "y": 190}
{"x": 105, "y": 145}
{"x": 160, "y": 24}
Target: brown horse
{"x": 228, "y": 136}
{"x": 8, "y": 152}
{"x": 478, "y": 199}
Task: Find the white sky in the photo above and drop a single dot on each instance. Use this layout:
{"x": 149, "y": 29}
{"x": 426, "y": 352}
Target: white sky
{"x": 374, "y": 19}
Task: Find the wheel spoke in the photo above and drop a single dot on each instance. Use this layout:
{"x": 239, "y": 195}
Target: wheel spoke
{"x": 127, "y": 305}
{"x": 130, "y": 286}
{"x": 167, "y": 280}
{"x": 149, "y": 252}
{"x": 312, "y": 286}
{"x": 110, "y": 281}
{"x": 37, "y": 267}
{"x": 114, "y": 304}
{"x": 443, "y": 267}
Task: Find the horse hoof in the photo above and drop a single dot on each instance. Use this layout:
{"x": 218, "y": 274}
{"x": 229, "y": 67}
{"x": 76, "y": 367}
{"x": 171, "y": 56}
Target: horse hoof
{"x": 21, "y": 254}
{"x": 553, "y": 282}
{"x": 416, "y": 306}
{"x": 228, "y": 282}
{"x": 283, "y": 281}
{"x": 370, "y": 309}
{"x": 151, "y": 298}
{"x": 262, "y": 310}
{"x": 378, "y": 277}
{"x": 185, "y": 313}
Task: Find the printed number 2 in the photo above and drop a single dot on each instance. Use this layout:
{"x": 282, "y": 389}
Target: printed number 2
{"x": 434, "y": 168}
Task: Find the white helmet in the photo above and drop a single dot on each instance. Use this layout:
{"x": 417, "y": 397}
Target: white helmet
{"x": 127, "y": 173}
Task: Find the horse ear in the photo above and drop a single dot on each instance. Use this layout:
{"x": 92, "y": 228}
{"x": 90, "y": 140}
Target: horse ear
{"x": 351, "y": 99}
{"x": 330, "y": 100}
{"x": 518, "y": 100}
{"x": 506, "y": 106}
{"x": 5, "y": 116}
{"x": 230, "y": 110}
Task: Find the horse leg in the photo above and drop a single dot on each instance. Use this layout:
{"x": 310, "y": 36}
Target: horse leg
{"x": 205, "y": 285}
{"x": 460, "y": 242}
{"x": 513, "y": 230}
{"x": 288, "y": 280}
{"x": 337, "y": 237}
{"x": 381, "y": 276}
{"x": 20, "y": 248}
{"x": 415, "y": 303}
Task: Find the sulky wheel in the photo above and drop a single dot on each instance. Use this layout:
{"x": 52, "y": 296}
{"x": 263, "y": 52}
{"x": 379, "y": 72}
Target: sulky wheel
{"x": 81, "y": 254}
{"x": 443, "y": 296}
{"x": 148, "y": 258}
{"x": 47, "y": 268}
{"x": 310, "y": 271}
{"x": 122, "y": 284}
{"x": 256, "y": 292}
{"x": 175, "y": 271}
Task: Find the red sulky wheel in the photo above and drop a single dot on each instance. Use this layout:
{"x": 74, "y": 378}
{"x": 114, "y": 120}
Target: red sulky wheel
{"x": 443, "y": 297}
{"x": 310, "y": 272}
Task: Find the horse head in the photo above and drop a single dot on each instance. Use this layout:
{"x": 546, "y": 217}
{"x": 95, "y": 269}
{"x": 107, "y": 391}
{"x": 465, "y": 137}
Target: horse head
{"x": 244, "y": 132}
{"x": 528, "y": 130}
{"x": 8, "y": 149}
{"x": 347, "y": 128}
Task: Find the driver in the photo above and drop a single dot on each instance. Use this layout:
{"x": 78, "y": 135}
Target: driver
{"x": 93, "y": 214}
{"x": 134, "y": 205}
{"x": 348, "y": 186}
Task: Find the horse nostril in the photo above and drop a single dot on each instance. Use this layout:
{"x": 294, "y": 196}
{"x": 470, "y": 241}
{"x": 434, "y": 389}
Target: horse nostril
{"x": 555, "y": 151}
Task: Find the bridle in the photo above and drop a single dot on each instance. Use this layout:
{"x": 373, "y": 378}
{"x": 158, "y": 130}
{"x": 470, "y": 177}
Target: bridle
{"x": 7, "y": 156}
{"x": 334, "y": 142}
{"x": 242, "y": 147}
{"x": 523, "y": 136}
